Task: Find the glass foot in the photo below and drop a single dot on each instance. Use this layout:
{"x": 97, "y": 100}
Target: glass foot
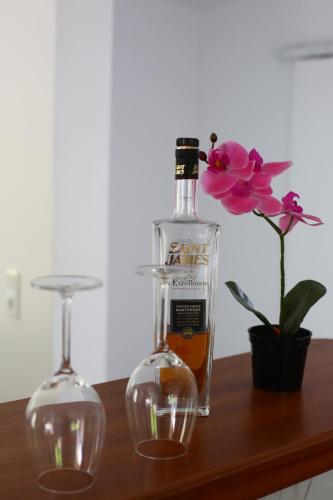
{"x": 161, "y": 449}
{"x": 66, "y": 283}
{"x": 65, "y": 481}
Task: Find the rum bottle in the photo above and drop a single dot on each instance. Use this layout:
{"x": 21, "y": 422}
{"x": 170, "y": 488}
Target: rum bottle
{"x": 185, "y": 239}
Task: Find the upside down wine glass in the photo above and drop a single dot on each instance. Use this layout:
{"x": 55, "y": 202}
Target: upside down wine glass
{"x": 65, "y": 417}
{"x": 162, "y": 394}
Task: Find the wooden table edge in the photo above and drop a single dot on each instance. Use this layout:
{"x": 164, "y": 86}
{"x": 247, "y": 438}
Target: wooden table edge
{"x": 244, "y": 480}
{"x": 310, "y": 457}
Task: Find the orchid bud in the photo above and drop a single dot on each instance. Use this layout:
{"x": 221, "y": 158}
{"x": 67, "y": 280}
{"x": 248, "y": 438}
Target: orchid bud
{"x": 213, "y": 138}
{"x": 202, "y": 156}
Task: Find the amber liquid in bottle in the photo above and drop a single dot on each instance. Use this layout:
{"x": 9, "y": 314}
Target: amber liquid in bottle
{"x": 194, "y": 352}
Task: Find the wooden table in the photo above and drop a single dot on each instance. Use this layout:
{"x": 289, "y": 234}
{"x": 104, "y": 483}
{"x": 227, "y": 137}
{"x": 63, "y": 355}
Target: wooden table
{"x": 254, "y": 442}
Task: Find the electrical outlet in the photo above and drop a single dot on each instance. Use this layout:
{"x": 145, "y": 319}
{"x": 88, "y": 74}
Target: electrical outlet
{"x": 13, "y": 289}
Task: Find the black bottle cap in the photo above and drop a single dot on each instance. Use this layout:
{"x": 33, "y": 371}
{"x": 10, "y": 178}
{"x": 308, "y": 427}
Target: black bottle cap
{"x": 187, "y": 141}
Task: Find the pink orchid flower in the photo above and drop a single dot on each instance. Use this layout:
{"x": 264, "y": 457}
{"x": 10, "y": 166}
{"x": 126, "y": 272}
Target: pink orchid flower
{"x": 245, "y": 197}
{"x": 255, "y": 192}
{"x": 227, "y": 163}
{"x": 264, "y": 172}
{"x": 242, "y": 181}
{"x": 293, "y": 213}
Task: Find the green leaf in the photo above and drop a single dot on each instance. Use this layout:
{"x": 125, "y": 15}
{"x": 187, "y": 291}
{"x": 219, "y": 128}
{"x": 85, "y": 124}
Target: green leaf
{"x": 297, "y": 303}
{"x": 243, "y": 299}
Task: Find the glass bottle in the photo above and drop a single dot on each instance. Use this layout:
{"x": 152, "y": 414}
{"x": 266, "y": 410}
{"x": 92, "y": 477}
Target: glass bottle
{"x": 184, "y": 239}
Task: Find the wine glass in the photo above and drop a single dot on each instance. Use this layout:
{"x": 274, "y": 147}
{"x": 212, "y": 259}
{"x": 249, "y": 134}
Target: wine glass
{"x": 65, "y": 417}
{"x": 162, "y": 394}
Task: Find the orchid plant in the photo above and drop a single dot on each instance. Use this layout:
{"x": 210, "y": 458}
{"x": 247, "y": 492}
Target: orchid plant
{"x": 241, "y": 181}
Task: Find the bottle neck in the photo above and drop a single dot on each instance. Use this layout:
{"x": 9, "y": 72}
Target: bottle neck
{"x": 186, "y": 205}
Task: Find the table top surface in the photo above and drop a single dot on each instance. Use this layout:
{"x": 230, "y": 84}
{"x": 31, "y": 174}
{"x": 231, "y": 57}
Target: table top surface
{"x": 254, "y": 442}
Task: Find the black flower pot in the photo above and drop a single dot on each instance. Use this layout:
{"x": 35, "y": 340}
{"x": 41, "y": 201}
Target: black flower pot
{"x": 278, "y": 361}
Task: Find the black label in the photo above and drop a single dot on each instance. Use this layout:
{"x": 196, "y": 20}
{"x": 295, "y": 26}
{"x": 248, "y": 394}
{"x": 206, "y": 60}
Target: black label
{"x": 187, "y": 171}
{"x": 188, "y": 317}
{"x": 187, "y": 163}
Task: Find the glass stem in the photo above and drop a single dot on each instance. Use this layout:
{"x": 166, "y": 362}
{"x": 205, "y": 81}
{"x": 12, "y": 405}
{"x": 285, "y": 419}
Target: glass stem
{"x": 162, "y": 344}
{"x": 66, "y": 333}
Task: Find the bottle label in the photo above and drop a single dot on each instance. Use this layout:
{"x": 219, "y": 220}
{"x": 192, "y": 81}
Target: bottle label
{"x": 187, "y": 163}
{"x": 187, "y": 253}
{"x": 188, "y": 170}
{"x": 187, "y": 317}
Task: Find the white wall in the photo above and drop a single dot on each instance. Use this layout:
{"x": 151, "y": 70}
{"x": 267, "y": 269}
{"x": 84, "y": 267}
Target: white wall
{"x": 216, "y": 71}
{"x": 155, "y": 85}
{"x": 81, "y": 176}
{"x": 129, "y": 81}
{"x": 129, "y": 78}
{"x": 26, "y": 159}
{"x": 172, "y": 78}
{"x": 311, "y": 249}
{"x": 248, "y": 95}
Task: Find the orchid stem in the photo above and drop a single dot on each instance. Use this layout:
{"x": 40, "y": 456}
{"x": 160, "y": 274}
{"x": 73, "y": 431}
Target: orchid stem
{"x": 282, "y": 264}
{"x": 283, "y": 271}
{"x": 282, "y": 277}
{"x": 270, "y": 222}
